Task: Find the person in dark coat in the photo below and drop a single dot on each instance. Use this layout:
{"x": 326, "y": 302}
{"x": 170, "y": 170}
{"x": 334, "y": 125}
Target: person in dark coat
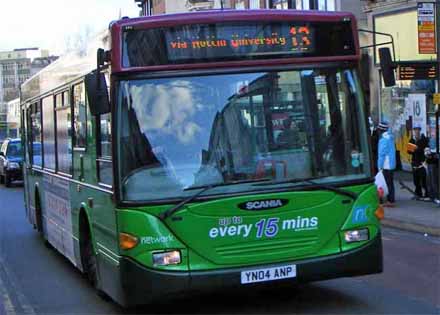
{"x": 418, "y": 159}
{"x": 289, "y": 137}
{"x": 432, "y": 163}
{"x": 375, "y": 136}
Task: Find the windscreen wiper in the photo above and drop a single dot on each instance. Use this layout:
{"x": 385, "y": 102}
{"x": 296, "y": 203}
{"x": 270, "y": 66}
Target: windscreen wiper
{"x": 171, "y": 211}
{"x": 314, "y": 184}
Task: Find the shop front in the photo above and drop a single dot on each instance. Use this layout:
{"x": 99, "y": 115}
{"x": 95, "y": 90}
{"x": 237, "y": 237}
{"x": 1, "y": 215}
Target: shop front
{"x": 410, "y": 102}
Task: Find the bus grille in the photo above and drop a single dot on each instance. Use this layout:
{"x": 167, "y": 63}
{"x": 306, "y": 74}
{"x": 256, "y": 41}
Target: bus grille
{"x": 299, "y": 245}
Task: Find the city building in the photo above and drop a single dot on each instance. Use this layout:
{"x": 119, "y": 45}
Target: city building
{"x": 13, "y": 118}
{"x": 17, "y": 66}
{"x": 410, "y": 101}
{"x": 152, "y": 7}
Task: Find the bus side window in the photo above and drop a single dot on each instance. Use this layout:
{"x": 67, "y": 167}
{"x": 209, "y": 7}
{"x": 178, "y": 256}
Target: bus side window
{"x": 79, "y": 116}
{"x": 48, "y": 133}
{"x": 64, "y": 133}
{"x": 104, "y": 149}
{"x": 36, "y": 157}
{"x": 27, "y": 129}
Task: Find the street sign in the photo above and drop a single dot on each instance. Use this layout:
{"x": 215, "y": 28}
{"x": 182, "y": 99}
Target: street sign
{"x": 418, "y": 102}
{"x": 436, "y": 98}
{"x": 416, "y": 71}
{"x": 426, "y": 27}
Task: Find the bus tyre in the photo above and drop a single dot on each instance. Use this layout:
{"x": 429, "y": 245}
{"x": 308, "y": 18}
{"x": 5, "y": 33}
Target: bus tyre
{"x": 40, "y": 224}
{"x": 47, "y": 244}
{"x": 2, "y": 179}
{"x": 90, "y": 262}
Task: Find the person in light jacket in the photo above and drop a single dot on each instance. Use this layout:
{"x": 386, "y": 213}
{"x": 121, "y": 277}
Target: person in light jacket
{"x": 386, "y": 159}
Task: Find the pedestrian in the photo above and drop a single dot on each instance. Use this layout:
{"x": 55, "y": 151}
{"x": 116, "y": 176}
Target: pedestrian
{"x": 416, "y": 149}
{"x": 386, "y": 159}
{"x": 432, "y": 178}
{"x": 374, "y": 147}
{"x": 289, "y": 137}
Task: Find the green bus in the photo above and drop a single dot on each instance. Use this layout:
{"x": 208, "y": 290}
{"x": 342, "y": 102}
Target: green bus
{"x": 197, "y": 151}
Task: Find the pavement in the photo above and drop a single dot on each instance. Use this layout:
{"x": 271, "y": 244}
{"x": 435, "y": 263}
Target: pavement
{"x": 411, "y": 215}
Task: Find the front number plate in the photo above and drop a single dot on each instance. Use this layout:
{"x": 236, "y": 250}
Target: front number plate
{"x": 268, "y": 274}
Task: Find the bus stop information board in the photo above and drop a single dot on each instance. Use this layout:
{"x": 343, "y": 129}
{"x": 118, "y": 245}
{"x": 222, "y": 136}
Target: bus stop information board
{"x": 426, "y": 27}
{"x": 416, "y": 71}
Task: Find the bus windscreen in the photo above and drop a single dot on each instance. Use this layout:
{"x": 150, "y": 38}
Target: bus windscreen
{"x": 198, "y": 43}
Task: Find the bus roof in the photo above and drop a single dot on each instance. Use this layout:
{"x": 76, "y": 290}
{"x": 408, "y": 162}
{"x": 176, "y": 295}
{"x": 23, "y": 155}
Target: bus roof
{"x": 83, "y": 61}
{"x": 69, "y": 67}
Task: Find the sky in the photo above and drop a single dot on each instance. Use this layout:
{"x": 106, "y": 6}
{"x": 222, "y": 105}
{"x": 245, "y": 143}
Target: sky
{"x": 51, "y": 24}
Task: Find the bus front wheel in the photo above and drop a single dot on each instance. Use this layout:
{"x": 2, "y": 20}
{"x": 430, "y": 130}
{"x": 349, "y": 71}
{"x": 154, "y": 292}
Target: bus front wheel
{"x": 90, "y": 263}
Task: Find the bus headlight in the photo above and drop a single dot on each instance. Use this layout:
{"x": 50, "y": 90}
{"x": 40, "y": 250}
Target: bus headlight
{"x": 13, "y": 166}
{"x": 357, "y": 236}
{"x": 167, "y": 258}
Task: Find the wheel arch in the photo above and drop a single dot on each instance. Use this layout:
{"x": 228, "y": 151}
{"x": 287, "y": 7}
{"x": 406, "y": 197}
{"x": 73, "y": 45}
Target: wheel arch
{"x": 85, "y": 231}
{"x": 38, "y": 208}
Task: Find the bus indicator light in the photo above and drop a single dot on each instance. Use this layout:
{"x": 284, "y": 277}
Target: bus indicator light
{"x": 127, "y": 241}
{"x": 379, "y": 213}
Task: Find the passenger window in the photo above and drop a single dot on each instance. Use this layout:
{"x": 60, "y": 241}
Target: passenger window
{"x": 64, "y": 133}
{"x": 104, "y": 161}
{"x": 28, "y": 131}
{"x": 49, "y": 133}
{"x": 36, "y": 157}
{"x": 79, "y": 116}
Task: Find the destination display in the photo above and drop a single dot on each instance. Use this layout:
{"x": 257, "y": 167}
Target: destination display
{"x": 197, "y": 43}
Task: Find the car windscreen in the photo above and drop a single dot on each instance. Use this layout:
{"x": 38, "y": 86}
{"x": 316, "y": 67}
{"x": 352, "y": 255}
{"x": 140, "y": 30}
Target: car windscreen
{"x": 14, "y": 150}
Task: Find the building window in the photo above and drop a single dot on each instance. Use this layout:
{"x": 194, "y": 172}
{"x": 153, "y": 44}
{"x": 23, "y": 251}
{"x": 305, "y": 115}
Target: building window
{"x": 239, "y": 4}
{"x": 322, "y": 5}
{"x": 280, "y": 4}
{"x": 254, "y": 4}
{"x": 331, "y": 5}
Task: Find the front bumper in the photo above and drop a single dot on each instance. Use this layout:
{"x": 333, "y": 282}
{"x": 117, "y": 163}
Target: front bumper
{"x": 142, "y": 285}
{"x": 15, "y": 174}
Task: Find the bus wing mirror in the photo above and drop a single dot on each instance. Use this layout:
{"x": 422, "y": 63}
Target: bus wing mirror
{"x": 97, "y": 93}
{"x": 387, "y": 66}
